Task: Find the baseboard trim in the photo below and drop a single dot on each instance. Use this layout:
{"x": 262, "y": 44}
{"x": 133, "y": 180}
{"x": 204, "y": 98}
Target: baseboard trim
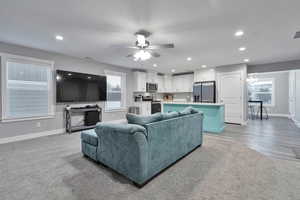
{"x": 297, "y": 123}
{"x": 244, "y": 123}
{"x": 30, "y": 136}
{"x": 280, "y": 115}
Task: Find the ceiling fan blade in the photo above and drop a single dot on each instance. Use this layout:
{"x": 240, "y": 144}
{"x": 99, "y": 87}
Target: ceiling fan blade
{"x": 132, "y": 47}
{"x": 154, "y": 54}
{"x": 124, "y": 47}
{"x": 161, "y": 46}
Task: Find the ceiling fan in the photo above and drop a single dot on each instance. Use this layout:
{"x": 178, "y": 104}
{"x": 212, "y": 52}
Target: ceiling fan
{"x": 145, "y": 48}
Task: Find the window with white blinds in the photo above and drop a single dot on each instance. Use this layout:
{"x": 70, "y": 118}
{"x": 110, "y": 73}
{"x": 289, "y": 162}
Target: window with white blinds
{"x": 27, "y": 88}
{"x": 116, "y": 91}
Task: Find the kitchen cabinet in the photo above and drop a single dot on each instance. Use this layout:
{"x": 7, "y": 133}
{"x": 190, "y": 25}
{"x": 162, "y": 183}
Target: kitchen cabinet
{"x": 183, "y": 83}
{"x": 188, "y": 82}
{"x": 152, "y": 77}
{"x": 204, "y": 75}
{"x": 166, "y": 83}
{"x": 160, "y": 83}
{"x": 140, "y": 79}
{"x": 168, "y": 88}
{"x": 145, "y": 107}
{"x": 177, "y": 82}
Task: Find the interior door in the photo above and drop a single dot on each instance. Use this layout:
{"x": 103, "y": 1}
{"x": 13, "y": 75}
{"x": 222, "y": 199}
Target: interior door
{"x": 230, "y": 93}
{"x": 292, "y": 100}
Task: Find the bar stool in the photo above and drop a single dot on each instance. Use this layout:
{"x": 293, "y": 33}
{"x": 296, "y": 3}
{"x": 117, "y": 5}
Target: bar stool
{"x": 251, "y": 110}
{"x": 265, "y": 111}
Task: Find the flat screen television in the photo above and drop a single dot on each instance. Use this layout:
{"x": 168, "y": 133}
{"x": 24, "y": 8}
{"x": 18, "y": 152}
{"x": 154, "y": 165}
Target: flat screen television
{"x": 78, "y": 87}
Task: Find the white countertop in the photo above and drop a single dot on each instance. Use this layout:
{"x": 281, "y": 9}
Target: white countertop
{"x": 193, "y": 103}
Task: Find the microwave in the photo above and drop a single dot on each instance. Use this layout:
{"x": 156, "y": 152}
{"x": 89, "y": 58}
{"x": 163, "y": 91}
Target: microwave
{"x": 151, "y": 87}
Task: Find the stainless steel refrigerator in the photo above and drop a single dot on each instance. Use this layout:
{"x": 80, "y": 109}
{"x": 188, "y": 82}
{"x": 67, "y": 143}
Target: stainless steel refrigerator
{"x": 204, "y": 92}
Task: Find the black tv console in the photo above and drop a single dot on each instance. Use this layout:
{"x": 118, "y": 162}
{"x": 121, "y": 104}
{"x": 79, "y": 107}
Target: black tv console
{"x": 80, "y": 110}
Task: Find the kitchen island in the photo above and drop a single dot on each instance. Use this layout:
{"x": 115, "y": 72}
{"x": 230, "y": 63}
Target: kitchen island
{"x": 213, "y": 113}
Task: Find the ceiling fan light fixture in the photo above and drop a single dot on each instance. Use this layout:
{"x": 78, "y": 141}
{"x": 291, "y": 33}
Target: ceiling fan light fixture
{"x": 242, "y": 49}
{"x": 142, "y": 55}
{"x": 141, "y": 40}
{"x": 239, "y": 33}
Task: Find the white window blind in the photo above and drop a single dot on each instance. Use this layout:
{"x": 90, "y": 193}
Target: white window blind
{"x": 116, "y": 91}
{"x": 262, "y": 90}
{"x": 27, "y": 88}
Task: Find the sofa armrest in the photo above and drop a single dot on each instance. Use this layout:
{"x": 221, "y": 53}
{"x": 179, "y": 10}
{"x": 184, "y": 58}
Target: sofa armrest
{"x": 124, "y": 148}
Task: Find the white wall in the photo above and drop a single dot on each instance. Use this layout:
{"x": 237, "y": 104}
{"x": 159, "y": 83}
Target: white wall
{"x": 63, "y": 62}
{"x": 281, "y": 80}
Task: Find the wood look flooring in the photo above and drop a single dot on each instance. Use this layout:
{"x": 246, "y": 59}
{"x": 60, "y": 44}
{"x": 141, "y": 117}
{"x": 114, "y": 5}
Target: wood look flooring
{"x": 276, "y": 137}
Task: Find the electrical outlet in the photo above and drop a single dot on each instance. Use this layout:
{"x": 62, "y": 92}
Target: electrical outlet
{"x": 38, "y": 124}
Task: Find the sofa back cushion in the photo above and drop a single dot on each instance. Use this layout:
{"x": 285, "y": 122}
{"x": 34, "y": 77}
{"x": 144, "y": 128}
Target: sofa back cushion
{"x": 169, "y": 115}
{"x": 188, "y": 110}
{"x": 143, "y": 120}
{"x": 106, "y": 127}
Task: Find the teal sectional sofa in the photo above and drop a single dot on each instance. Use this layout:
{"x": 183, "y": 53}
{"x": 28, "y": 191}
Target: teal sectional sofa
{"x": 145, "y": 146}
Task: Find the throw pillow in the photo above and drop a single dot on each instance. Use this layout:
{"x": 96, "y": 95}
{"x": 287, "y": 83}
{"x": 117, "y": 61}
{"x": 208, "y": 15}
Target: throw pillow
{"x": 143, "y": 120}
{"x": 186, "y": 111}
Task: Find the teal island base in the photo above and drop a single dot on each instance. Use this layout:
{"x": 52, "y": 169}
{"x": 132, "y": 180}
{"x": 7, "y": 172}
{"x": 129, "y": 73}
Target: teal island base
{"x": 213, "y": 114}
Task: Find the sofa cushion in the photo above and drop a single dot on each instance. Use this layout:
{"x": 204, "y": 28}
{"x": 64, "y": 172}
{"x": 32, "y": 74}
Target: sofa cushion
{"x": 169, "y": 115}
{"x": 194, "y": 111}
{"x": 90, "y": 137}
{"x": 143, "y": 120}
{"x": 186, "y": 111}
{"x": 102, "y": 128}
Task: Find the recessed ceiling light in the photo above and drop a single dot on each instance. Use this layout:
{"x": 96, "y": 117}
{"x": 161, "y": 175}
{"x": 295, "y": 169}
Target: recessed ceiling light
{"x": 242, "y": 48}
{"x": 189, "y": 59}
{"x": 239, "y": 33}
{"x": 69, "y": 74}
{"x": 203, "y": 66}
{"x": 246, "y": 60}
{"x": 154, "y": 65}
{"x": 89, "y": 77}
{"x": 173, "y": 70}
{"x": 59, "y": 37}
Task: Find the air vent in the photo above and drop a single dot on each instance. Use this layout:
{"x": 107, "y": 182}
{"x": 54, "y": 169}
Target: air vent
{"x": 297, "y": 35}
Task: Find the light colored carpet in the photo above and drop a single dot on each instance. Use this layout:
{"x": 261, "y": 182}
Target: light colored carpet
{"x": 53, "y": 168}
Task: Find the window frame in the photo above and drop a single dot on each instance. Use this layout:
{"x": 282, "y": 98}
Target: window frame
{"x": 123, "y": 91}
{"x": 273, "y": 104}
{"x": 5, "y": 58}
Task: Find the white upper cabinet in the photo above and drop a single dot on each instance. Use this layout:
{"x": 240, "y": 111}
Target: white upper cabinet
{"x": 151, "y": 77}
{"x": 183, "y": 83}
{"x": 140, "y": 79}
{"x": 177, "y": 83}
{"x": 204, "y": 75}
{"x": 168, "y": 84}
{"x": 160, "y": 83}
{"x": 189, "y": 81}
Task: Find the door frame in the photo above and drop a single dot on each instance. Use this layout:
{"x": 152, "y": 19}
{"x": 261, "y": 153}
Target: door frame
{"x": 243, "y": 89}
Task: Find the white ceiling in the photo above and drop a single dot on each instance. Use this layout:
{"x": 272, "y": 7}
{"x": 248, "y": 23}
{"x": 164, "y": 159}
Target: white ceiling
{"x": 201, "y": 29}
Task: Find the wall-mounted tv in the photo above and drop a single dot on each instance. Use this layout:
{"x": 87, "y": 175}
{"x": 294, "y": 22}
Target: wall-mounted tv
{"x": 78, "y": 87}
